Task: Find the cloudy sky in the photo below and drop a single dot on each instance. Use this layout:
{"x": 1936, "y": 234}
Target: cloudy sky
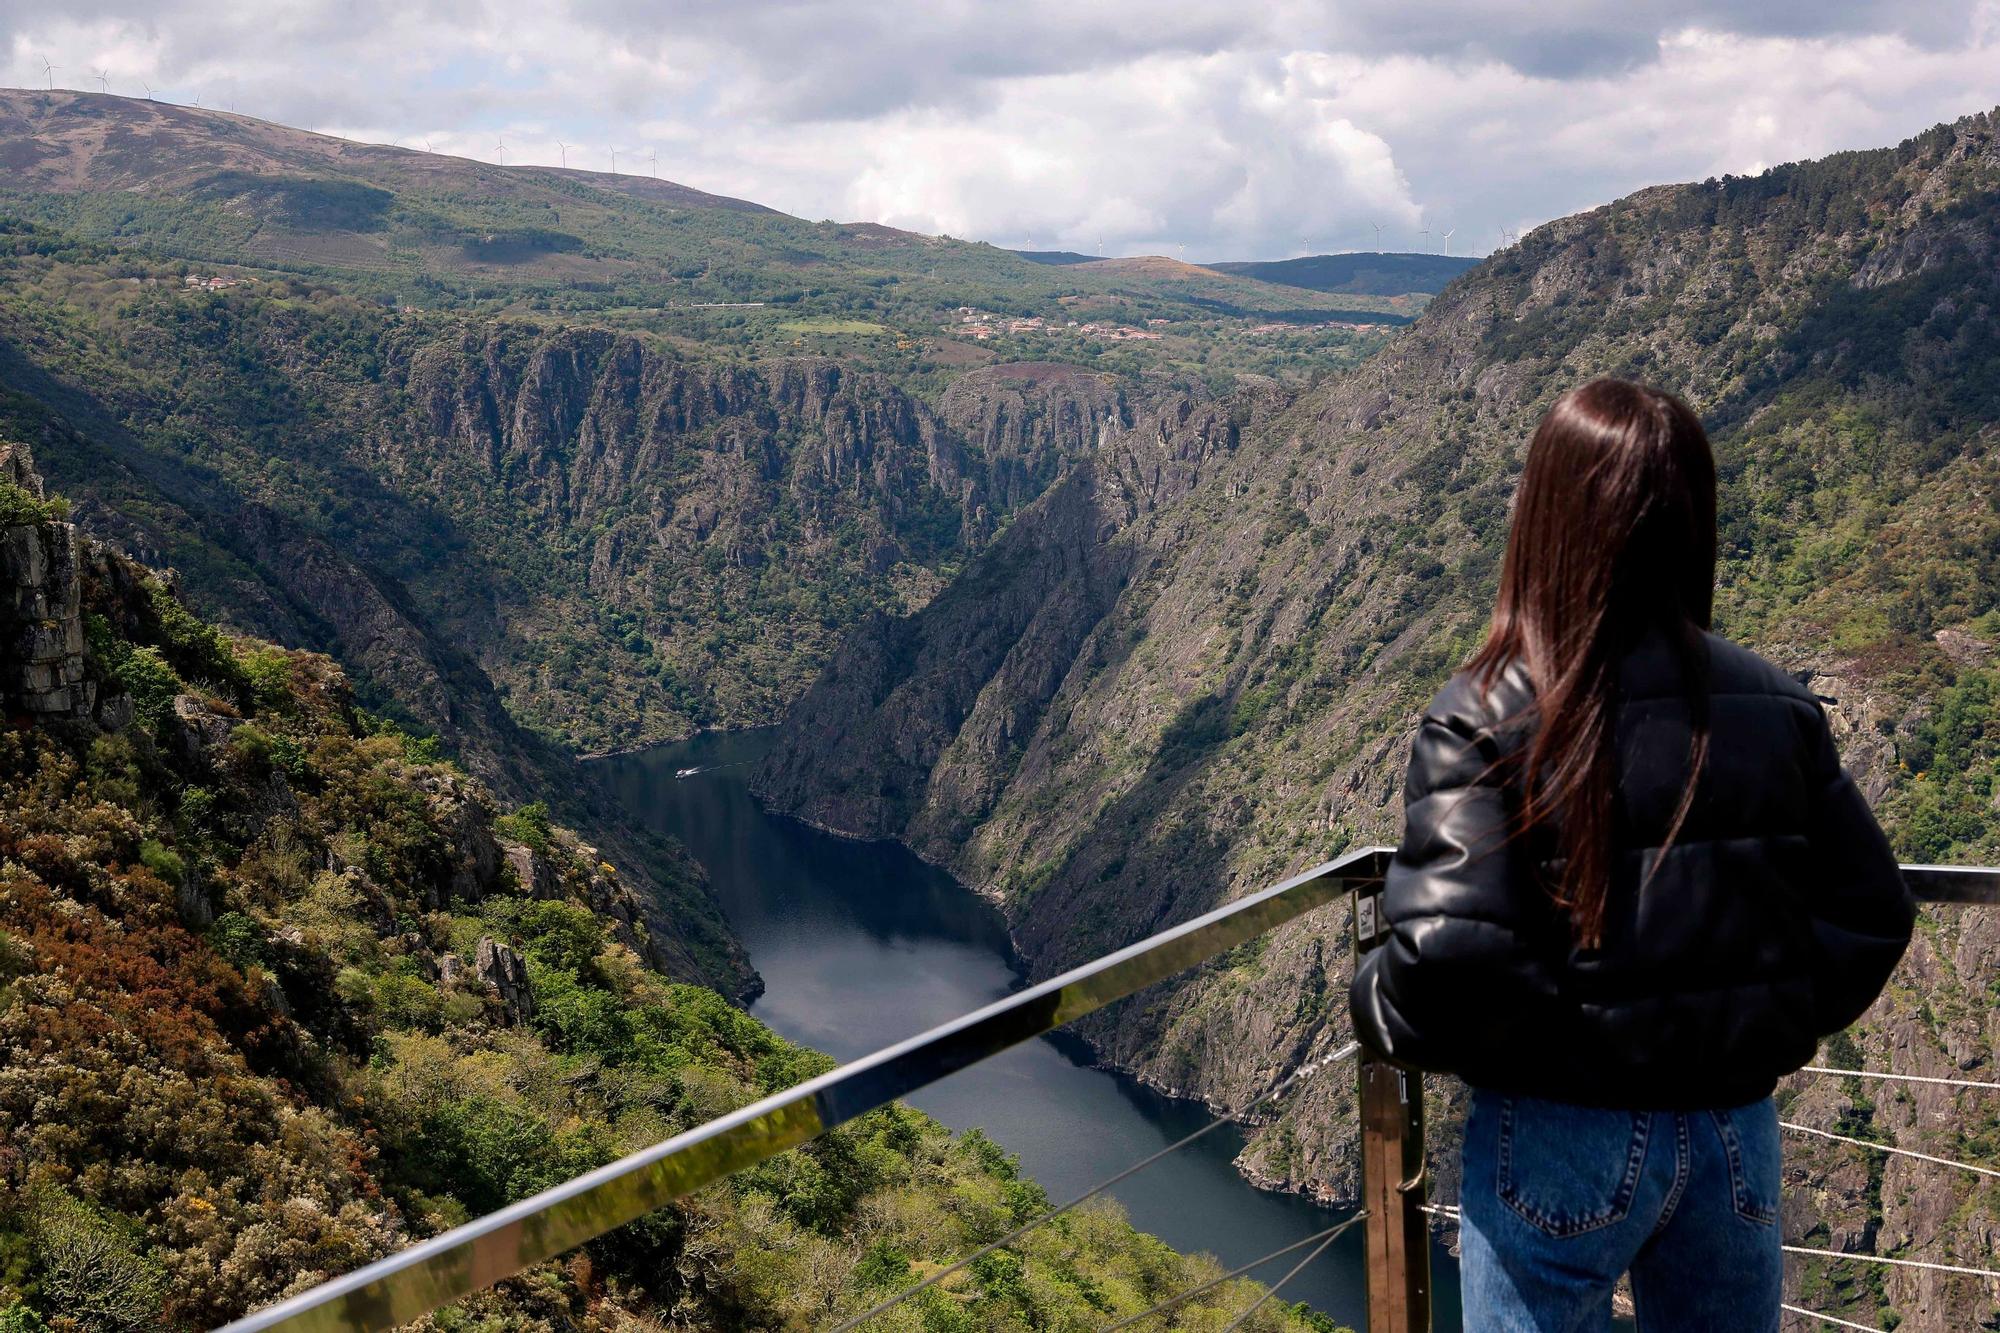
{"x": 1240, "y": 129}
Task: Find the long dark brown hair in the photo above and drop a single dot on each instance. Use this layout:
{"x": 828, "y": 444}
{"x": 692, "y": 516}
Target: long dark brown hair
{"x": 1614, "y": 537}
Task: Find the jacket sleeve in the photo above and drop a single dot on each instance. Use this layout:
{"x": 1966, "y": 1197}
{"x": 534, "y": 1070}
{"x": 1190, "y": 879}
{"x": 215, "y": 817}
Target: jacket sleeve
{"x": 1457, "y": 974}
{"x": 1861, "y": 910}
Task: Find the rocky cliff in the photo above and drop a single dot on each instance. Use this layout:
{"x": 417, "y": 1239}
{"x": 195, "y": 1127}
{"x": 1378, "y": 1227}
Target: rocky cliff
{"x": 626, "y": 540}
{"x": 1222, "y": 692}
{"x": 41, "y": 618}
{"x": 732, "y": 518}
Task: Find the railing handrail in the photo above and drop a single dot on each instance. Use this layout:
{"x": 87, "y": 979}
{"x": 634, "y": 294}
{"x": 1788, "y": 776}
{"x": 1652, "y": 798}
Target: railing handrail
{"x": 1954, "y": 884}
{"x": 413, "y": 1281}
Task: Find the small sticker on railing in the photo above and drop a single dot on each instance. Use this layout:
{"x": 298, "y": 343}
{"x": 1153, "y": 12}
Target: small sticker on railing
{"x": 1366, "y": 924}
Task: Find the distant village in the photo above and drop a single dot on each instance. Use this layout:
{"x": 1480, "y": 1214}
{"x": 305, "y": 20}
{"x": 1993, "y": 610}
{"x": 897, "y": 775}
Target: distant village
{"x": 983, "y": 324}
{"x": 1351, "y": 326}
{"x": 980, "y": 325}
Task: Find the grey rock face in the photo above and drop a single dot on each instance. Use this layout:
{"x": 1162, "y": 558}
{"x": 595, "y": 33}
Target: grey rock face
{"x": 199, "y": 731}
{"x": 41, "y": 622}
{"x": 193, "y": 900}
{"x": 504, "y": 970}
{"x": 533, "y": 873}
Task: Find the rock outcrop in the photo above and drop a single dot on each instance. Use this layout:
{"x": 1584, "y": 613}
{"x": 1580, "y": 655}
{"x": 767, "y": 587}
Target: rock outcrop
{"x": 506, "y": 973}
{"x": 42, "y": 669}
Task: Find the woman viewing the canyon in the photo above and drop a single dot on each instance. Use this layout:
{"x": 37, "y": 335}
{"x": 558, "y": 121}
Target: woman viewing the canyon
{"x": 1635, "y": 889}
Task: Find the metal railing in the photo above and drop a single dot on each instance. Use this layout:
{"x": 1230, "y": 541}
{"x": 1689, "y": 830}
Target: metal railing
{"x": 415, "y": 1281}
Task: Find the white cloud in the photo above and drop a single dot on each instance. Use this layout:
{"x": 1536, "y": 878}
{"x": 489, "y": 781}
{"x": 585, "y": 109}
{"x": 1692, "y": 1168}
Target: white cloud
{"x": 1237, "y": 130}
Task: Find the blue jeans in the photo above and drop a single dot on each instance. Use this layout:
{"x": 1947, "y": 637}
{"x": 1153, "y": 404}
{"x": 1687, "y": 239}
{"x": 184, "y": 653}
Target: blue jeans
{"x": 1559, "y": 1200}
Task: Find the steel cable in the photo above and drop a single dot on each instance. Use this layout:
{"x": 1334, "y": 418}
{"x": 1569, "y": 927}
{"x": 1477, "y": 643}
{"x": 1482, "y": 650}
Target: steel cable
{"x": 1297, "y": 1268}
{"x": 1277, "y": 1090}
{"x": 1829, "y": 1319}
{"x": 1901, "y": 1078}
{"x": 1886, "y": 1147}
{"x": 1899, "y": 1263}
{"x": 1329, "y": 1235}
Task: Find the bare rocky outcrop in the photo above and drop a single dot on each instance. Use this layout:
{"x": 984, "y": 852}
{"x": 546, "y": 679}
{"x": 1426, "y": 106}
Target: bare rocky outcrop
{"x": 533, "y": 873}
{"x": 506, "y": 972}
{"x": 42, "y": 669}
{"x": 587, "y": 425}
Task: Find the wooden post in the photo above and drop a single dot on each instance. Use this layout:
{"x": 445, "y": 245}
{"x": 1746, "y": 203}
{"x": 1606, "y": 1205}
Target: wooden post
{"x": 1392, "y": 1168}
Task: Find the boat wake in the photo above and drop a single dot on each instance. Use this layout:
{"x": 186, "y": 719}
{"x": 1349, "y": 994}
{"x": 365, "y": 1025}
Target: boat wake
{"x": 699, "y": 769}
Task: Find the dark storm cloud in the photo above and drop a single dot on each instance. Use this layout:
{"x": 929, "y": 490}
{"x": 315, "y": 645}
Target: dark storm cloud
{"x": 832, "y": 59}
{"x": 838, "y": 59}
{"x": 1564, "y": 39}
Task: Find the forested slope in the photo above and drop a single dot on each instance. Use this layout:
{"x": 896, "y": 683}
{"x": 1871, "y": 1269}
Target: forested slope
{"x": 1241, "y": 658}
{"x": 281, "y": 991}
{"x": 628, "y": 542}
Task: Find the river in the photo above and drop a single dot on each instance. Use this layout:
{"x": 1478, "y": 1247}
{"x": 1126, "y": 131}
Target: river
{"x": 862, "y": 944}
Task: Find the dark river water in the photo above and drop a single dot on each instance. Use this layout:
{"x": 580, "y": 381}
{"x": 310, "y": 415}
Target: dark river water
{"x": 862, "y": 944}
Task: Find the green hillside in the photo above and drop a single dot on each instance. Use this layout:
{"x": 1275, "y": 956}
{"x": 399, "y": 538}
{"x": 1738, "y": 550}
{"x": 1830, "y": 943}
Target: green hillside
{"x": 1362, "y": 273}
{"x": 411, "y": 228}
{"x": 282, "y": 991}
{"x": 557, "y": 459}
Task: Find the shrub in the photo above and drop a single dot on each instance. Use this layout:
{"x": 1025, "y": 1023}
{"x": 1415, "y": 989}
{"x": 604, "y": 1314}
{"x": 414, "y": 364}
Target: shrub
{"x": 882, "y": 1266}
{"x": 20, "y": 505}
{"x": 91, "y": 1269}
{"x": 195, "y": 649}
{"x": 18, "y": 1318}
{"x": 561, "y": 935}
{"x": 418, "y": 749}
{"x": 528, "y": 826}
{"x": 268, "y": 673}
{"x": 151, "y": 683}
{"x": 163, "y": 861}
{"x": 239, "y": 939}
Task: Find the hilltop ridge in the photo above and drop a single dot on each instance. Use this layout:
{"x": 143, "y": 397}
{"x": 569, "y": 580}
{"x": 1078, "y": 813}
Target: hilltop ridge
{"x": 78, "y": 141}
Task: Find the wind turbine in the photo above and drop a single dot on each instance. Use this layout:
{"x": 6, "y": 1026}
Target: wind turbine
{"x": 563, "y": 148}
{"x": 1426, "y": 232}
{"x": 103, "y": 77}
{"x": 149, "y": 89}
{"x": 502, "y": 147}
{"x": 1378, "y": 236}
{"x": 653, "y": 161}
{"x": 428, "y": 148}
{"x": 49, "y": 72}
{"x": 1447, "y": 239}
{"x": 1184, "y": 252}
{"x": 614, "y": 161}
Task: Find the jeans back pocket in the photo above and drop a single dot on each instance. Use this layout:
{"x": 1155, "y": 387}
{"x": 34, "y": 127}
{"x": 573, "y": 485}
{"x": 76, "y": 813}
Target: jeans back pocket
{"x": 1749, "y": 1137}
{"x": 1569, "y": 1169}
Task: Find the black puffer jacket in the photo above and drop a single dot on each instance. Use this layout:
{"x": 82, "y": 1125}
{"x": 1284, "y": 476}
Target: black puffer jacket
{"x": 1772, "y": 921}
